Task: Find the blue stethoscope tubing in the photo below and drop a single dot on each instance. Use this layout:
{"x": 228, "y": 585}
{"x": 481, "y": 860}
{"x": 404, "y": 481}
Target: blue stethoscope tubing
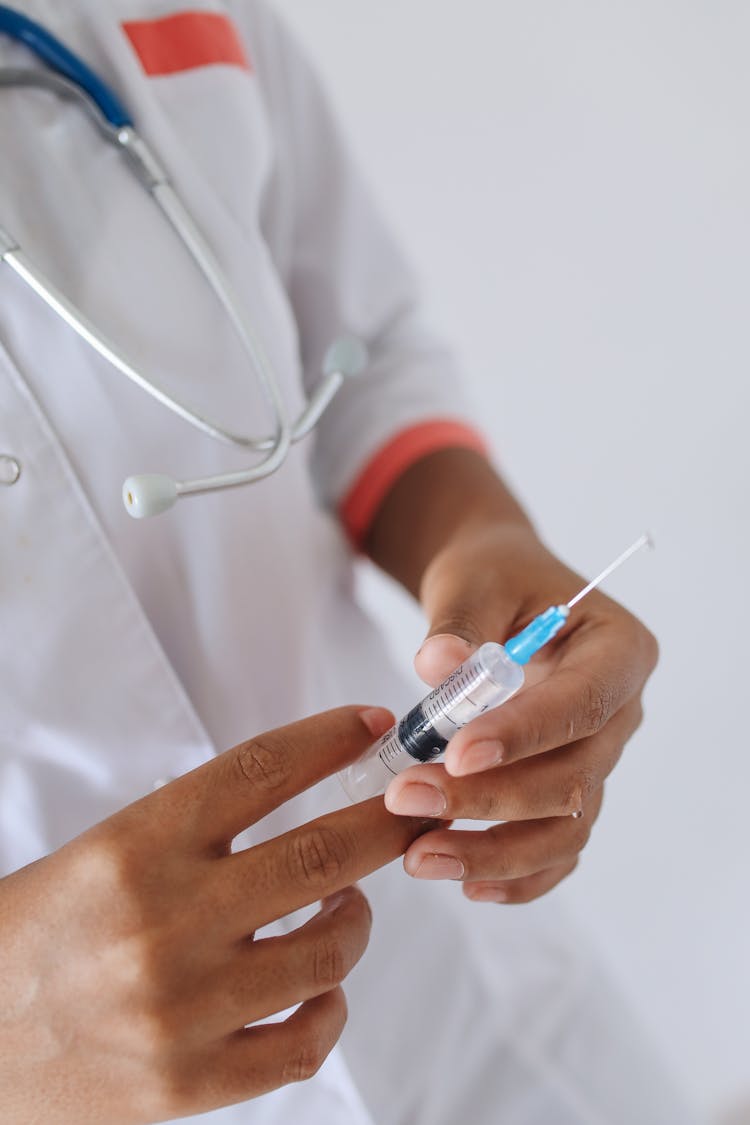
{"x": 57, "y": 56}
{"x": 150, "y": 493}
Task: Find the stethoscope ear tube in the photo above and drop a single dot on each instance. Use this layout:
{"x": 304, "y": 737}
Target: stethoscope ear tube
{"x": 57, "y": 56}
{"x": 63, "y": 88}
{"x": 150, "y": 493}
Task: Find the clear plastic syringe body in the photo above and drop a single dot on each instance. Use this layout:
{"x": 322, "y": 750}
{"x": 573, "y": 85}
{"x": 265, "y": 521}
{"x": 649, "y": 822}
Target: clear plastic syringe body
{"x": 489, "y": 677}
{"x": 486, "y": 679}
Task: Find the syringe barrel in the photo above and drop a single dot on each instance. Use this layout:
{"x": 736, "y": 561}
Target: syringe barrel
{"x": 486, "y": 679}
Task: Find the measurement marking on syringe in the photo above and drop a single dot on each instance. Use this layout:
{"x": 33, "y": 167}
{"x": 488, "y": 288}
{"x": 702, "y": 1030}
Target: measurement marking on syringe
{"x": 454, "y": 692}
{"x": 492, "y": 675}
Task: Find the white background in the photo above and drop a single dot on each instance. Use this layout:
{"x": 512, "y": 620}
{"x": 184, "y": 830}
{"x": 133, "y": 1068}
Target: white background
{"x": 573, "y": 183}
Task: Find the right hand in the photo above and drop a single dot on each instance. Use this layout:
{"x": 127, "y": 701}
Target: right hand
{"x": 128, "y": 966}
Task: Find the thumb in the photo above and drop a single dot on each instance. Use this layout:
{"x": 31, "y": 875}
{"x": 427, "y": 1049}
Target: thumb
{"x": 455, "y": 632}
{"x": 466, "y": 606}
{"x": 440, "y": 654}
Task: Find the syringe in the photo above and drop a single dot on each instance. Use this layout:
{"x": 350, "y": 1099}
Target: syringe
{"x": 489, "y": 677}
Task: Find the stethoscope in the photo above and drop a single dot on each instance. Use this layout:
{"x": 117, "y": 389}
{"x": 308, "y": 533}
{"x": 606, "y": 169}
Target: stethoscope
{"x": 150, "y": 493}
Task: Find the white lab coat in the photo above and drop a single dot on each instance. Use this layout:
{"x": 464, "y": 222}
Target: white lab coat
{"x": 133, "y": 651}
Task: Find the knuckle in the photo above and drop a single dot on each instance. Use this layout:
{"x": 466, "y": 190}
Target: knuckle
{"x": 596, "y": 707}
{"x": 579, "y": 789}
{"x": 492, "y": 804}
{"x": 503, "y": 867}
{"x": 306, "y": 1060}
{"x": 144, "y": 962}
{"x": 532, "y": 735}
{"x": 504, "y": 861}
{"x": 103, "y": 864}
{"x": 639, "y": 639}
{"x": 517, "y": 891}
{"x": 526, "y": 890}
{"x": 581, "y": 834}
{"x": 651, "y": 648}
{"x": 362, "y": 903}
{"x": 567, "y": 870}
{"x": 147, "y": 961}
{"x": 264, "y": 763}
{"x": 101, "y": 860}
{"x": 317, "y": 857}
{"x": 638, "y": 715}
{"x": 175, "y": 1091}
{"x": 461, "y": 623}
{"x": 157, "y": 1030}
{"x": 329, "y": 963}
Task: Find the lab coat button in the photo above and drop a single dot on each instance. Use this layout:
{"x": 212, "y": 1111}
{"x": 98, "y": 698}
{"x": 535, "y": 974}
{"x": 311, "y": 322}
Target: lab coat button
{"x": 10, "y": 469}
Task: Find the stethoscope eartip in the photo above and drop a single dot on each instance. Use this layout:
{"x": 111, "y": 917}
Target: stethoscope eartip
{"x": 148, "y": 494}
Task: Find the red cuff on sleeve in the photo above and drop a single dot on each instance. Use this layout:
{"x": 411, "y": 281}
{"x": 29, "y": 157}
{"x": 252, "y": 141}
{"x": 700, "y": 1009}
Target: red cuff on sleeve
{"x": 361, "y": 503}
{"x": 185, "y": 41}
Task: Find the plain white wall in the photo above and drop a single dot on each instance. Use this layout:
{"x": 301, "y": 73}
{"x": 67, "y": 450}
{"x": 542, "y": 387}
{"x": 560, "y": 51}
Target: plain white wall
{"x": 573, "y": 183}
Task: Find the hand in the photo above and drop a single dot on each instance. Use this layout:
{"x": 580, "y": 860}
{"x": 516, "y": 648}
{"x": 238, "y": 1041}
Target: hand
{"x": 129, "y": 968}
{"x": 539, "y": 762}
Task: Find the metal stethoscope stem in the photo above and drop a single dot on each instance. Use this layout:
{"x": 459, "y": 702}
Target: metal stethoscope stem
{"x": 148, "y": 494}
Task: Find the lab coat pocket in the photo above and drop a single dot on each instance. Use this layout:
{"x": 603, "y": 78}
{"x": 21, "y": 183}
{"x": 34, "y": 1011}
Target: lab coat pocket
{"x": 192, "y": 80}
{"x": 91, "y": 711}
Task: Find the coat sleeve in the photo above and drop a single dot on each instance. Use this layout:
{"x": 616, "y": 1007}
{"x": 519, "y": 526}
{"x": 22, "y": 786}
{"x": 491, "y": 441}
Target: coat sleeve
{"x": 345, "y": 274}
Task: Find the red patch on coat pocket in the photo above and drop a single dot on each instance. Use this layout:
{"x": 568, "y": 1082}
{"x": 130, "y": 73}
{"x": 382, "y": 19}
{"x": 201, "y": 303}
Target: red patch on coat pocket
{"x": 185, "y": 41}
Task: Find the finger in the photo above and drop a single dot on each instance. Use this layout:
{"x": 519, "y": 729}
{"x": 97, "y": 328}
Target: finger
{"x": 558, "y": 783}
{"x": 271, "y": 974}
{"x": 254, "y": 887}
{"x": 466, "y": 596}
{"x": 505, "y": 851}
{"x": 520, "y": 890}
{"x": 440, "y": 655}
{"x": 214, "y": 803}
{"x": 591, "y": 683}
{"x": 257, "y": 1060}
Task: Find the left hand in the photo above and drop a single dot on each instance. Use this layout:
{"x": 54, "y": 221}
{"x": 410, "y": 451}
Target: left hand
{"x": 538, "y": 763}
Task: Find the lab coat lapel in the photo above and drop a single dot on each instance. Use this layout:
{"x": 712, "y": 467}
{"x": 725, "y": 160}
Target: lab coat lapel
{"x": 83, "y": 730}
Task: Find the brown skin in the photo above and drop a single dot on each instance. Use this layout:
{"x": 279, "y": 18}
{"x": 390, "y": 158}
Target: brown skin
{"x": 481, "y": 573}
{"x": 129, "y": 969}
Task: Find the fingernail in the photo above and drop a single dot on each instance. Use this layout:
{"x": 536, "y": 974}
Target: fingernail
{"x": 417, "y": 799}
{"x": 486, "y": 894}
{"x": 435, "y": 866}
{"x": 377, "y": 720}
{"x": 428, "y": 824}
{"x": 480, "y": 756}
{"x": 334, "y": 901}
{"x": 443, "y": 637}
